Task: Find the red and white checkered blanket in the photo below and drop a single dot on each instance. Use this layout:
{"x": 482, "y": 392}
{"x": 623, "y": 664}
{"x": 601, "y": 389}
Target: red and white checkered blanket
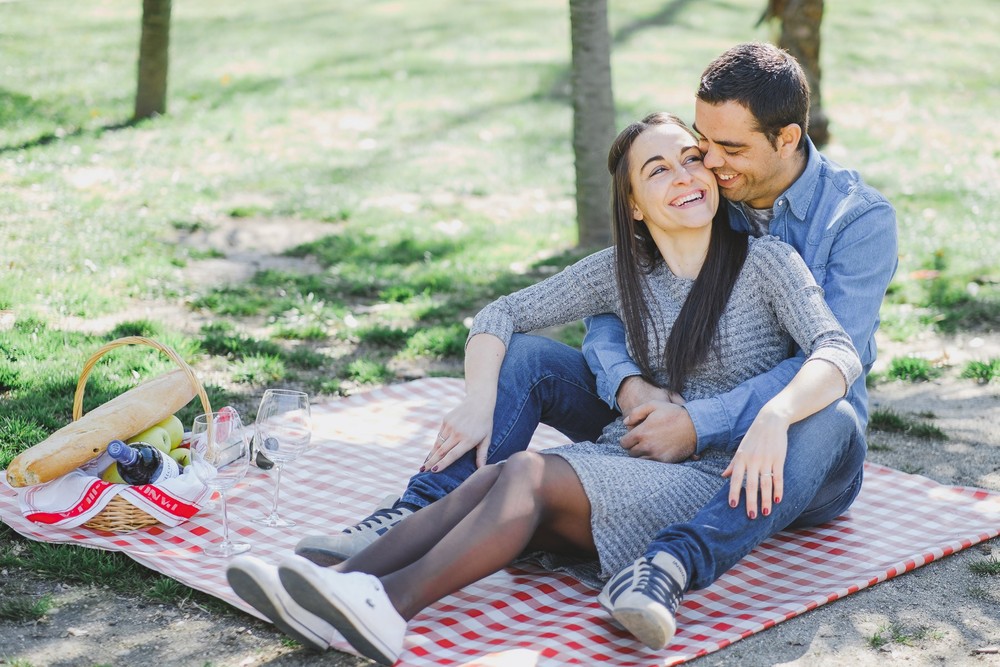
{"x": 367, "y": 446}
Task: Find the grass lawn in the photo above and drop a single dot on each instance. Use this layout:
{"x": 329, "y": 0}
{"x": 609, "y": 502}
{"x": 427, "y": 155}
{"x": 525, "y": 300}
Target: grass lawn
{"x": 430, "y": 144}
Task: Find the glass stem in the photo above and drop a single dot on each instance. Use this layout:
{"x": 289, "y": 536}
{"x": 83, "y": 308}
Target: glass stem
{"x": 277, "y": 485}
{"x": 225, "y": 519}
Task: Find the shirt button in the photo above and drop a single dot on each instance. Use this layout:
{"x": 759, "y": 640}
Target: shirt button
{"x": 781, "y": 202}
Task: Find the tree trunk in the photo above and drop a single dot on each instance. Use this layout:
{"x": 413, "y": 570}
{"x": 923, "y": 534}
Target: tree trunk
{"x": 593, "y": 119}
{"x": 154, "y": 46}
{"x": 800, "y": 36}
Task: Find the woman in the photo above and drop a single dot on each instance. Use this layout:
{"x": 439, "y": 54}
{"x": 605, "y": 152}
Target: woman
{"x": 705, "y": 308}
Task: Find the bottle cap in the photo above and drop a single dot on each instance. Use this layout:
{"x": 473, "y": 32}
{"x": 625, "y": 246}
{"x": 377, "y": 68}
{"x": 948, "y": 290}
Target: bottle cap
{"x": 119, "y": 451}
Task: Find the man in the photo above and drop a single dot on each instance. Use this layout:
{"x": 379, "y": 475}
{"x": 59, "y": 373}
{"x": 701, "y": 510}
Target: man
{"x": 752, "y": 114}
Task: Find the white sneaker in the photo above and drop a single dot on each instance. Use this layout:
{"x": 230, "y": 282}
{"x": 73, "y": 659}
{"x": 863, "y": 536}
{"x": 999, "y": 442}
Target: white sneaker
{"x": 327, "y": 550}
{"x": 354, "y": 603}
{"x": 257, "y": 583}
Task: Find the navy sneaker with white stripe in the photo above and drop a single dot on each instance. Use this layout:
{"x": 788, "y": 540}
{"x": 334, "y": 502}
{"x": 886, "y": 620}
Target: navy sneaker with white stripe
{"x": 644, "y": 598}
{"x": 327, "y": 550}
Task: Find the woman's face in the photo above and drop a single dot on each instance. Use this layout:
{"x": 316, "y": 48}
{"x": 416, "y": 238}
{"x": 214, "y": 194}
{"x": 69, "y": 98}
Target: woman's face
{"x": 671, "y": 188}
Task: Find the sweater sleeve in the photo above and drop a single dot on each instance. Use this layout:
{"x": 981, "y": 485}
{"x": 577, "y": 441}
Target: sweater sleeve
{"x": 800, "y": 308}
{"x": 585, "y": 288}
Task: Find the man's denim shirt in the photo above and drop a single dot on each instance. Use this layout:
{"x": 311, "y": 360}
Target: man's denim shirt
{"x": 846, "y": 233}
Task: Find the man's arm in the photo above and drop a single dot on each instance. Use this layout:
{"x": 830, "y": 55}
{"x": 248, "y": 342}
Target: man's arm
{"x": 861, "y": 264}
{"x": 606, "y": 354}
{"x": 659, "y": 429}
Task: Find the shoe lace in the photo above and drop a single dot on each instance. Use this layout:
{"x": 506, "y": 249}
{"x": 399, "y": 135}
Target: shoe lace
{"x": 380, "y": 519}
{"x": 658, "y": 585}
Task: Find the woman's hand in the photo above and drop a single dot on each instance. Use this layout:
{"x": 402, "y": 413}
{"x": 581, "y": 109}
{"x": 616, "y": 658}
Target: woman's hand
{"x": 761, "y": 459}
{"x": 468, "y": 426}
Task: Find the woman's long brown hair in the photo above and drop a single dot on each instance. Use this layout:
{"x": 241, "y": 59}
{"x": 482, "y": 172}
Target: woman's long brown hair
{"x": 636, "y": 255}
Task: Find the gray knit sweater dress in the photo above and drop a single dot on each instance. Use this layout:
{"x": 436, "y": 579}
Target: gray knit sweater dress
{"x": 774, "y": 303}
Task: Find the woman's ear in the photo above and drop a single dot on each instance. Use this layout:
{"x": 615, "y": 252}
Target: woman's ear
{"x": 636, "y": 211}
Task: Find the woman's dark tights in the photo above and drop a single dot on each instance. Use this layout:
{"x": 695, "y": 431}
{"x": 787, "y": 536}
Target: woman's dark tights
{"x": 531, "y": 502}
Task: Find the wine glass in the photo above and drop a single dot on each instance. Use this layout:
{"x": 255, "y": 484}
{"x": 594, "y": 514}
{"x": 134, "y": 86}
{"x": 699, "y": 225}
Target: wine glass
{"x": 220, "y": 456}
{"x": 284, "y": 430}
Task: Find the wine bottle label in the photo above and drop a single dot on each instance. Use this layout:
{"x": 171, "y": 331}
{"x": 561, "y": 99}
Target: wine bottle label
{"x": 169, "y": 470}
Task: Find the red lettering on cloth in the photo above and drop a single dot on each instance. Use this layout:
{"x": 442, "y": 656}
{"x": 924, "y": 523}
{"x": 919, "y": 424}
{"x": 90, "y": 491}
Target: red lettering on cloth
{"x": 93, "y": 493}
{"x": 166, "y": 502}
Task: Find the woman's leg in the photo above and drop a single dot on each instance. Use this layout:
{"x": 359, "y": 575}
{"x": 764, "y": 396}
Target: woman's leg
{"x": 536, "y": 502}
{"x": 415, "y": 535}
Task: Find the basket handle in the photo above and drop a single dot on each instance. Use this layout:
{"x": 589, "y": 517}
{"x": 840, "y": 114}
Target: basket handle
{"x": 136, "y": 340}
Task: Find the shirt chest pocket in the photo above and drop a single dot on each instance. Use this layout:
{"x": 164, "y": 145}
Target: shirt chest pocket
{"x": 817, "y": 254}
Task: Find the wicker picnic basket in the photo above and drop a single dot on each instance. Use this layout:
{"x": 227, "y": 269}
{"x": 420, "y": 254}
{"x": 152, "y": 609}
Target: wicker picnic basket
{"x": 120, "y": 515}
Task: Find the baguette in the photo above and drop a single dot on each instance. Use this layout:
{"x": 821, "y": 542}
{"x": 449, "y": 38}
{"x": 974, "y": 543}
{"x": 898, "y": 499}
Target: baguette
{"x": 122, "y": 417}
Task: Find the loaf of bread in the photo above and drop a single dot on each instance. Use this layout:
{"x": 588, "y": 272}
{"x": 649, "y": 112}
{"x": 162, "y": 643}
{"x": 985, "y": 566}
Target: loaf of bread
{"x": 121, "y": 417}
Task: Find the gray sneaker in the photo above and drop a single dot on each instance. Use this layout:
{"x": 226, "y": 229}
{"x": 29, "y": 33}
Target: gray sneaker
{"x": 644, "y": 598}
{"x": 327, "y": 550}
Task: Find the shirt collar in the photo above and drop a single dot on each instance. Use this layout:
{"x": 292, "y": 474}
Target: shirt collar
{"x": 799, "y": 195}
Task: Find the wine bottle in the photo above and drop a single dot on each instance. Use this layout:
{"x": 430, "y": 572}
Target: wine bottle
{"x": 140, "y": 463}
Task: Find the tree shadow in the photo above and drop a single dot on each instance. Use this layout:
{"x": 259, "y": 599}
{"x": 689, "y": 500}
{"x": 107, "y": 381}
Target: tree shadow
{"x": 15, "y": 106}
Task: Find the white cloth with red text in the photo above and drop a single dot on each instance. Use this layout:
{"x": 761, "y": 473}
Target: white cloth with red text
{"x": 78, "y": 496}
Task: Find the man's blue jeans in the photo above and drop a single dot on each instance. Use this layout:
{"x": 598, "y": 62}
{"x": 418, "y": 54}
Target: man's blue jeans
{"x": 543, "y": 381}
{"x": 823, "y": 473}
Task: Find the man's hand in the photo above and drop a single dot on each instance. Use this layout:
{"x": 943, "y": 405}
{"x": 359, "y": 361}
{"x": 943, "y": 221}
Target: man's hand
{"x": 634, "y": 391}
{"x": 661, "y": 431}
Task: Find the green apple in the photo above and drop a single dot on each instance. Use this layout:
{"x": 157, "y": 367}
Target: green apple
{"x": 111, "y": 475}
{"x": 175, "y": 428}
{"x": 156, "y": 436}
{"x": 182, "y": 455}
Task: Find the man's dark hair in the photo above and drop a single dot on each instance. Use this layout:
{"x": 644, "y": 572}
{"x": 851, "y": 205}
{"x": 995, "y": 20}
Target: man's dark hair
{"x": 765, "y": 80}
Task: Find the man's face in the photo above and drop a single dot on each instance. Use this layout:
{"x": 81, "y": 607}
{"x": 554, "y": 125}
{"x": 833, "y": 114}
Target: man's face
{"x": 747, "y": 166}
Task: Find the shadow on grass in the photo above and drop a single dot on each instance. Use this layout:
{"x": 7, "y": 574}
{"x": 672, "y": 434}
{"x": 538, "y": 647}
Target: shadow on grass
{"x": 15, "y": 106}
{"x": 952, "y": 301}
{"x": 430, "y": 276}
{"x": 52, "y": 137}
{"x": 401, "y": 299}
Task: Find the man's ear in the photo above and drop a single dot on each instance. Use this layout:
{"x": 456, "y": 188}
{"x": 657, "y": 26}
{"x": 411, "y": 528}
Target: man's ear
{"x": 788, "y": 139}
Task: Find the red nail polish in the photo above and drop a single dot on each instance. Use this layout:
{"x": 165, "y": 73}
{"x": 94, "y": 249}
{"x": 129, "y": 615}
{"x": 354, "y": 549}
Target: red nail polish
{"x": 732, "y": 503}
{"x": 753, "y": 515}
{"x": 765, "y": 511}
{"x": 777, "y": 499}
{"x": 421, "y": 468}
{"x": 434, "y": 469}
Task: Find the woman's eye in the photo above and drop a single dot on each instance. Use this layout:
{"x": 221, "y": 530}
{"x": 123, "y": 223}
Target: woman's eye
{"x": 657, "y": 170}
